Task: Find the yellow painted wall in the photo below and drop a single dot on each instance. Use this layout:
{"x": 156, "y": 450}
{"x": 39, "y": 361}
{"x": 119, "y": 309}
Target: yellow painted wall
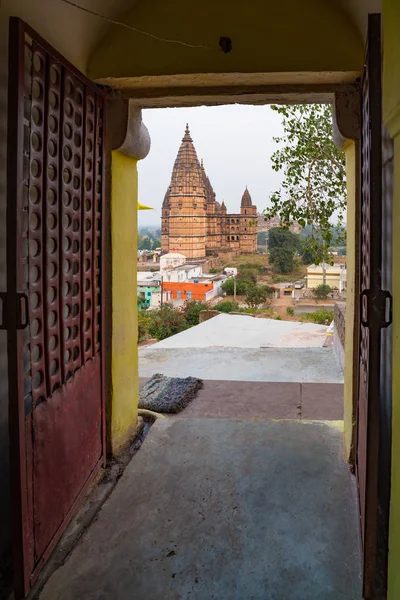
{"x": 124, "y": 362}
{"x": 350, "y": 367}
{"x": 267, "y": 36}
{"x": 391, "y": 115}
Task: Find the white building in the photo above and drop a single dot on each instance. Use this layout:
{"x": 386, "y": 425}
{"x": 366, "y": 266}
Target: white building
{"x": 185, "y": 272}
{"x": 171, "y": 260}
{"x": 332, "y": 275}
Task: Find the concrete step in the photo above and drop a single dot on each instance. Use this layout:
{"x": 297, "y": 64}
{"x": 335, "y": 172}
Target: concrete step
{"x": 266, "y": 400}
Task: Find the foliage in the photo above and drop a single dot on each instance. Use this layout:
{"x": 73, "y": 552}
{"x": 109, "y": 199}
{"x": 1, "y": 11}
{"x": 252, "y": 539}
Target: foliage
{"x": 228, "y": 287}
{"x": 144, "y": 324}
{"x": 248, "y": 266}
{"x": 227, "y": 306}
{"x": 290, "y": 311}
{"x": 312, "y": 251}
{"x": 214, "y": 270}
{"x": 321, "y": 316}
{"x": 283, "y": 245}
{"x": 278, "y": 318}
{"x": 279, "y": 237}
{"x": 257, "y": 294}
{"x": 149, "y": 238}
{"x": 282, "y": 259}
{"x": 322, "y": 291}
{"x": 313, "y": 191}
{"x": 145, "y": 243}
{"x": 139, "y": 300}
{"x": 167, "y": 321}
{"x": 192, "y": 309}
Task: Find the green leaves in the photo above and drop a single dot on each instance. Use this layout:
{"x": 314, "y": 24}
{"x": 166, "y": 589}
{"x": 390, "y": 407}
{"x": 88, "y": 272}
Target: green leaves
{"x": 314, "y": 188}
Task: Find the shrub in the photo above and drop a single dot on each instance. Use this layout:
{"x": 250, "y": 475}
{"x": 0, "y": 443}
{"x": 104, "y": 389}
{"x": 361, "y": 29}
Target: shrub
{"x": 320, "y": 316}
{"x": 290, "y": 311}
{"x": 228, "y": 287}
{"x": 278, "y": 318}
{"x": 227, "y": 306}
{"x": 322, "y": 291}
{"x": 257, "y": 295}
{"x": 192, "y": 309}
{"x": 167, "y": 321}
{"x": 144, "y": 324}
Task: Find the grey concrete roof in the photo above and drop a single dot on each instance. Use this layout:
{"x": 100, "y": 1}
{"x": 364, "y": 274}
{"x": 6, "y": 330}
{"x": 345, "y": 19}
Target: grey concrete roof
{"x": 237, "y": 331}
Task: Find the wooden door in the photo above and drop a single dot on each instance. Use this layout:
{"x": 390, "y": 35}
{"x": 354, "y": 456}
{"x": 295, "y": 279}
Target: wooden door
{"x": 54, "y": 296}
{"x": 374, "y": 419}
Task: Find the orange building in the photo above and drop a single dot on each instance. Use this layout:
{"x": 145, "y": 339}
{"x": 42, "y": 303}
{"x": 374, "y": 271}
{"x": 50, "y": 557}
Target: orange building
{"x": 187, "y": 290}
{"x": 193, "y": 223}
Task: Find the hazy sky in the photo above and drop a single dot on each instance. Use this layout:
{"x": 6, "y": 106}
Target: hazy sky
{"x": 235, "y": 142}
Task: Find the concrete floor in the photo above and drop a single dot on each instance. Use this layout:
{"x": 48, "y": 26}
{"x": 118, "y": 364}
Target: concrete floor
{"x": 226, "y": 510}
{"x": 243, "y": 331}
{"x": 318, "y": 365}
{"x": 265, "y": 400}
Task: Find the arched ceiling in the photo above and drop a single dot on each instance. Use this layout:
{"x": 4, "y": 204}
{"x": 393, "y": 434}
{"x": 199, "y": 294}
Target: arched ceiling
{"x": 79, "y": 35}
{"x": 71, "y": 31}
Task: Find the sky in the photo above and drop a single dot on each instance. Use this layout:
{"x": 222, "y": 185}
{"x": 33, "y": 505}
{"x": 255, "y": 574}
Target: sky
{"x": 235, "y": 143}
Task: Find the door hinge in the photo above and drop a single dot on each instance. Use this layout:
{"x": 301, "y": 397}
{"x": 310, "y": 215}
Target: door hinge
{"x": 379, "y": 304}
{"x": 20, "y": 306}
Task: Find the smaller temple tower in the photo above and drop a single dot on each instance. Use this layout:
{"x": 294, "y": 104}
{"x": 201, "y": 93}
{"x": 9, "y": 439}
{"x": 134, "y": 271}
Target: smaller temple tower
{"x": 248, "y": 233}
{"x": 165, "y": 222}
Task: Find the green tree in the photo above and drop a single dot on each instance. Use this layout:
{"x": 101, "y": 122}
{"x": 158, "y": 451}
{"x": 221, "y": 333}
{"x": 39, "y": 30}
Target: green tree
{"x": 192, "y": 309}
{"x": 283, "y": 245}
{"x": 228, "y": 287}
{"x": 156, "y": 244}
{"x": 145, "y": 244}
{"x": 257, "y": 294}
{"x": 312, "y": 250}
{"x": 282, "y": 259}
{"x": 313, "y": 191}
{"x": 322, "y": 291}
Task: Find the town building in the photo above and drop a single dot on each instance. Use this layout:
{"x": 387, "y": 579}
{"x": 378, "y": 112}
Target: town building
{"x": 332, "y": 275}
{"x": 193, "y": 222}
{"x": 149, "y": 290}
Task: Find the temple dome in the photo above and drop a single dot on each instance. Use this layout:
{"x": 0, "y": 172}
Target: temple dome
{"x": 246, "y": 199}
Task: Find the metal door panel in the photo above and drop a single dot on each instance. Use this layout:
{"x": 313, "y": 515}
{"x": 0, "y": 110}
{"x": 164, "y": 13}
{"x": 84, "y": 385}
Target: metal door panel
{"x": 372, "y": 419}
{"x": 54, "y": 296}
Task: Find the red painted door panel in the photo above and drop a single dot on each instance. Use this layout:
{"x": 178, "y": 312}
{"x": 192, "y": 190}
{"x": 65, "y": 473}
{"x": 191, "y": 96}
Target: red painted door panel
{"x": 54, "y": 212}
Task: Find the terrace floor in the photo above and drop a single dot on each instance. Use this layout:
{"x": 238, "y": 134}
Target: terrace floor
{"x": 215, "y": 508}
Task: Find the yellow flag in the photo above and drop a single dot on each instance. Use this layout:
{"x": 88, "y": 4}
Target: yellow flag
{"x": 143, "y": 207}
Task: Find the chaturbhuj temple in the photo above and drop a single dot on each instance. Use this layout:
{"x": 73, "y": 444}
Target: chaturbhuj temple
{"x": 193, "y": 222}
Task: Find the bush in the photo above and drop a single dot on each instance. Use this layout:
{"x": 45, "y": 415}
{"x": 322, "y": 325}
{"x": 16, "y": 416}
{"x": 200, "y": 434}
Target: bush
{"x": 227, "y": 306}
{"x": 290, "y": 311}
{"x": 257, "y": 295}
{"x": 144, "y": 324}
{"x": 167, "y": 321}
{"x": 278, "y": 318}
{"x": 192, "y": 309}
{"x": 228, "y": 287}
{"x": 321, "y": 316}
{"x": 322, "y": 291}
{"x": 214, "y": 270}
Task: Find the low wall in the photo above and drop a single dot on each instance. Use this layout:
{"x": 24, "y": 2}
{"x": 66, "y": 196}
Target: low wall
{"x": 205, "y": 315}
{"x": 339, "y": 330}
